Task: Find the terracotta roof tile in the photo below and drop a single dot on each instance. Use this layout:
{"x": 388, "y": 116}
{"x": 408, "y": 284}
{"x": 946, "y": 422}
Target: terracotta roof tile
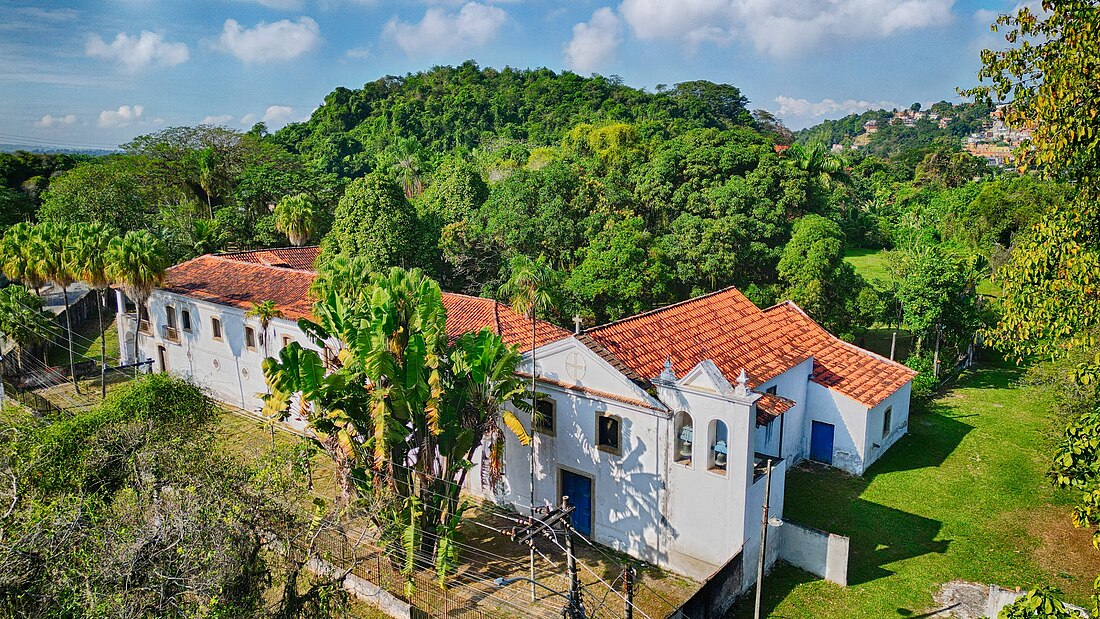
{"x": 771, "y": 406}
{"x": 243, "y": 278}
{"x": 299, "y": 258}
{"x": 240, "y": 284}
{"x": 844, "y": 367}
{"x": 731, "y": 331}
{"x": 723, "y": 326}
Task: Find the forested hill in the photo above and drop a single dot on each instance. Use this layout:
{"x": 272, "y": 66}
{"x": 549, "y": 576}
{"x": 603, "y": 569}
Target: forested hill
{"x": 459, "y": 108}
{"x": 897, "y": 138}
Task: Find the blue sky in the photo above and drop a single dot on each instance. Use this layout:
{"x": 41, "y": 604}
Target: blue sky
{"x": 94, "y": 74}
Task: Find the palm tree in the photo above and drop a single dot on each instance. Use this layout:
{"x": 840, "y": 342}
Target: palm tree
{"x": 295, "y": 217}
{"x": 530, "y": 290}
{"x": 16, "y": 260}
{"x": 137, "y": 262}
{"x": 266, "y": 311}
{"x": 208, "y": 165}
{"x": 822, "y": 165}
{"x": 22, "y": 320}
{"x": 52, "y": 249}
{"x": 88, "y": 260}
{"x": 408, "y": 166}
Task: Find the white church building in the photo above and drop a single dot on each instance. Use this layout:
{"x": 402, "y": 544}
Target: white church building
{"x": 657, "y": 426}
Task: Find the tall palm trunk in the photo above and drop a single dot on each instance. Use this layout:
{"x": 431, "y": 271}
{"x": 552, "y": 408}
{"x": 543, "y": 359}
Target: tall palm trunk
{"x": 534, "y": 444}
{"x": 102, "y": 345}
{"x": 69, "y": 333}
{"x": 137, "y": 334}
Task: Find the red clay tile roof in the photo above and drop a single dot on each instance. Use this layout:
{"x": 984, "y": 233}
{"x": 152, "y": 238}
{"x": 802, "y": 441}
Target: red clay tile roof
{"x": 723, "y": 326}
{"x": 857, "y": 373}
{"x": 242, "y": 278}
{"x": 240, "y": 284}
{"x": 300, "y": 258}
{"x": 771, "y": 406}
{"x": 730, "y": 330}
{"x": 466, "y": 314}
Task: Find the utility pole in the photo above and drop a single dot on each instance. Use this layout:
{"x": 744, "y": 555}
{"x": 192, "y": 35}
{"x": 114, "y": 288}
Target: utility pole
{"x": 628, "y": 578}
{"x": 576, "y": 605}
{"x": 763, "y": 539}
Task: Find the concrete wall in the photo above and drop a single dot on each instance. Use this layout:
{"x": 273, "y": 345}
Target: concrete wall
{"x": 817, "y": 552}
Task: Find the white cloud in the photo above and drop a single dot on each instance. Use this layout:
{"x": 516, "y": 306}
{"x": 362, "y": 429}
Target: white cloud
{"x": 801, "y": 108}
{"x": 594, "y": 42}
{"x": 281, "y": 40}
{"x": 248, "y": 119}
{"x": 48, "y": 121}
{"x": 357, "y": 53}
{"x": 278, "y": 115}
{"x": 779, "y": 27}
{"x": 124, "y": 116}
{"x": 280, "y": 5}
{"x": 220, "y": 119}
{"x": 137, "y": 52}
{"x": 439, "y": 31}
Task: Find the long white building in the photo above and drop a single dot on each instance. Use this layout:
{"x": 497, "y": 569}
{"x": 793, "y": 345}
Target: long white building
{"x": 656, "y": 426}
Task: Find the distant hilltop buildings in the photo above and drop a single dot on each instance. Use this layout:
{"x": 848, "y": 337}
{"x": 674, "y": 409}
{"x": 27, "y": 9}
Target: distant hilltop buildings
{"x": 994, "y": 142}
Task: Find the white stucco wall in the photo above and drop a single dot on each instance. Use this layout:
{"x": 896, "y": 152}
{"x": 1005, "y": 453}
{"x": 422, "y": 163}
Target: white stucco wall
{"x": 849, "y": 419}
{"x": 754, "y": 511}
{"x": 792, "y": 385}
{"x": 877, "y": 444}
{"x": 226, "y": 368}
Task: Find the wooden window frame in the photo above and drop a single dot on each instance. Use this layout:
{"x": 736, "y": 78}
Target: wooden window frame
{"x": 618, "y": 451}
{"x": 216, "y": 332}
{"x": 539, "y": 427}
{"x": 887, "y": 421}
{"x": 249, "y": 331}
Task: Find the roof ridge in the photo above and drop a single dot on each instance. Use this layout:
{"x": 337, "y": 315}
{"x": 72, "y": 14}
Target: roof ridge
{"x": 223, "y": 258}
{"x": 668, "y": 307}
{"x": 853, "y": 347}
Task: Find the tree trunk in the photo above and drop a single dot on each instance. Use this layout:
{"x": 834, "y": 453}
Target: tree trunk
{"x": 534, "y": 411}
{"x": 137, "y": 333}
{"x": 69, "y": 333}
{"x": 102, "y": 346}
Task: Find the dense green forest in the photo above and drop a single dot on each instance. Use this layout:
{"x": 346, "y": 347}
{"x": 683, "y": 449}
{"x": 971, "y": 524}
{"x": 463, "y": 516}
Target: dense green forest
{"x": 637, "y": 198}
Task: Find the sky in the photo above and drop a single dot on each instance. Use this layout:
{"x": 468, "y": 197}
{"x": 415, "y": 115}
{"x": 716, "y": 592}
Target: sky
{"x": 94, "y": 74}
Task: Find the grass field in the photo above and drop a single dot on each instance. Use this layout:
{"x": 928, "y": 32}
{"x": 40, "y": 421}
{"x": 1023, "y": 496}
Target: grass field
{"x": 874, "y": 266}
{"x": 86, "y": 342}
{"x": 870, "y": 263}
{"x": 963, "y": 496}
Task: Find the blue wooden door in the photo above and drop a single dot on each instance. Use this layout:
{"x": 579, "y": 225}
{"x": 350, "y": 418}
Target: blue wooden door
{"x": 579, "y": 490}
{"x": 821, "y": 442}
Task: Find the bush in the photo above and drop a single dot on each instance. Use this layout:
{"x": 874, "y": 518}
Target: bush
{"x": 924, "y": 383}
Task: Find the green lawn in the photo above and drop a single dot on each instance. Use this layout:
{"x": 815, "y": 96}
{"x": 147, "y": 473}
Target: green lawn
{"x": 963, "y": 496}
{"x": 870, "y": 263}
{"x": 86, "y": 342}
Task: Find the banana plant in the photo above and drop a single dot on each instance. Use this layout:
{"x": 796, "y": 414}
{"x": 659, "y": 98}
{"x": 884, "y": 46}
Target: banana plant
{"x": 406, "y": 409}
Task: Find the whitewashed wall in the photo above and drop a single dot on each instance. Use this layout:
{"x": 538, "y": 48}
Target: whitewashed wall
{"x": 227, "y": 368}
{"x": 876, "y": 443}
{"x": 849, "y": 419}
{"x": 792, "y": 385}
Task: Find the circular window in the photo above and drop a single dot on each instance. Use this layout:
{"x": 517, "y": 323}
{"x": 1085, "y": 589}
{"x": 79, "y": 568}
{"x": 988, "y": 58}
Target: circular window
{"x": 244, "y": 372}
{"x": 217, "y": 364}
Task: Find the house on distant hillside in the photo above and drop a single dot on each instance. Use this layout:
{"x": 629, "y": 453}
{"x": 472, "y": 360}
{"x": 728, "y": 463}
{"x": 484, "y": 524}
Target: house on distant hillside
{"x": 658, "y": 426}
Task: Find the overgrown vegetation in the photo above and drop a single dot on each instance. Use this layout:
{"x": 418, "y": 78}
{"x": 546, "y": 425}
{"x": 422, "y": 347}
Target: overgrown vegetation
{"x": 130, "y": 509}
